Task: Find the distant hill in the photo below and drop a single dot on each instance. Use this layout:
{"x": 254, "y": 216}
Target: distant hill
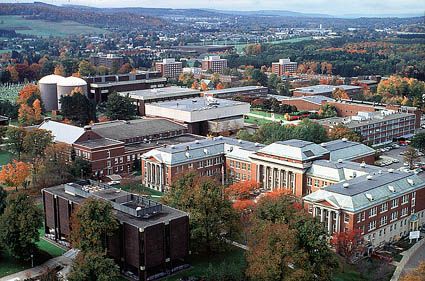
{"x": 275, "y": 13}
{"x": 82, "y": 14}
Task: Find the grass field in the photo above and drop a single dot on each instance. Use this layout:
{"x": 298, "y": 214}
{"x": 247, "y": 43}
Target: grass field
{"x": 201, "y": 264}
{"x": 46, "y": 28}
{"x": 5, "y": 157}
{"x": 10, "y": 92}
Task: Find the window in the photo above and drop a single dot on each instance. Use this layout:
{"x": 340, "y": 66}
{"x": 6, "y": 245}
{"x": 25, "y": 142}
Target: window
{"x": 128, "y": 158}
{"x": 394, "y": 216}
{"x": 232, "y": 163}
{"x": 404, "y": 212}
{"x": 346, "y": 218}
{"x": 243, "y": 166}
{"x": 309, "y": 180}
{"x": 384, "y": 220}
{"x": 372, "y": 225}
{"x": 394, "y": 203}
{"x": 405, "y": 199}
{"x": 372, "y": 212}
{"x": 316, "y": 183}
{"x": 363, "y": 216}
{"x": 413, "y": 199}
{"x": 310, "y": 209}
{"x": 384, "y": 207}
{"x": 200, "y": 164}
{"x": 359, "y": 217}
{"x": 116, "y": 160}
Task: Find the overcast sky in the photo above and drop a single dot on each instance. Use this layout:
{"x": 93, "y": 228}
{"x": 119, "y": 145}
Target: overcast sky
{"x": 333, "y": 7}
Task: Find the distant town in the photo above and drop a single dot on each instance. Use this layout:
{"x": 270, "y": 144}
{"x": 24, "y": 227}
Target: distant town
{"x": 195, "y": 144}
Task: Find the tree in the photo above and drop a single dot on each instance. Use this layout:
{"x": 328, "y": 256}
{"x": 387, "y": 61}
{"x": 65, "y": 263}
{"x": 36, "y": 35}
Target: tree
{"x": 417, "y": 274}
{"x": 297, "y": 232}
{"x": 348, "y": 243}
{"x": 259, "y": 77}
{"x": 211, "y": 215}
{"x": 327, "y": 110}
{"x": 410, "y": 156}
{"x": 339, "y": 93}
{"x": 15, "y": 174}
{"x": 242, "y": 189}
{"x": 120, "y": 108}
{"x": 85, "y": 68}
{"x": 125, "y": 68}
{"x": 78, "y": 108}
{"x": 37, "y": 110}
{"x": 3, "y": 196}
{"x": 15, "y": 140}
{"x": 93, "y": 266}
{"x": 19, "y": 225}
{"x": 340, "y": 131}
{"x": 418, "y": 141}
{"x": 91, "y": 223}
{"x": 59, "y": 70}
{"x": 80, "y": 168}
{"x": 36, "y": 141}
{"x": 273, "y": 255}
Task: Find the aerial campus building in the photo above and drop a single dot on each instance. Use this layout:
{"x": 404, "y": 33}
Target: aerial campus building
{"x": 152, "y": 239}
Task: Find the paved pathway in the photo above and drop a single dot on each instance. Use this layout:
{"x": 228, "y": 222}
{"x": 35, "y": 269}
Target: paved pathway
{"x": 415, "y": 259}
{"x": 65, "y": 261}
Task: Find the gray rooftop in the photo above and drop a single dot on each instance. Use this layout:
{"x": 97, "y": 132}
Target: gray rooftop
{"x": 295, "y": 149}
{"x": 322, "y": 89}
{"x": 99, "y": 143}
{"x": 235, "y": 90}
{"x": 158, "y": 93}
{"x": 120, "y": 130}
{"x": 167, "y": 213}
{"x": 197, "y": 104}
{"x": 346, "y": 150}
{"x": 348, "y": 122}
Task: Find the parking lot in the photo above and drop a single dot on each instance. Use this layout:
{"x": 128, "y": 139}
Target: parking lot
{"x": 394, "y": 155}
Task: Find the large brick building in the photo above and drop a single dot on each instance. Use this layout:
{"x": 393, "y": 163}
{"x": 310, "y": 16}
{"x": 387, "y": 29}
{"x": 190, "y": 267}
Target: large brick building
{"x": 284, "y": 66}
{"x": 113, "y": 147}
{"x": 152, "y": 239}
{"x": 214, "y": 63}
{"x": 108, "y": 60}
{"x": 327, "y": 90}
{"x": 169, "y": 68}
{"x": 383, "y": 205}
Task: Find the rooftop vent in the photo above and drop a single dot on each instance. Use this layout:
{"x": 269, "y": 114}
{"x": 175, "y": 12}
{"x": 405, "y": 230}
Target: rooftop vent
{"x": 187, "y": 154}
{"x": 369, "y": 196}
{"x": 197, "y": 141}
{"x": 390, "y": 170}
{"x": 239, "y": 141}
{"x": 257, "y": 144}
{"x": 363, "y": 164}
{"x": 339, "y": 160}
{"x": 344, "y": 139}
{"x": 220, "y": 137}
{"x": 323, "y": 144}
{"x": 391, "y": 188}
{"x": 346, "y": 185}
{"x": 380, "y": 172}
{"x": 205, "y": 151}
{"x": 172, "y": 146}
{"x": 369, "y": 177}
{"x": 411, "y": 182}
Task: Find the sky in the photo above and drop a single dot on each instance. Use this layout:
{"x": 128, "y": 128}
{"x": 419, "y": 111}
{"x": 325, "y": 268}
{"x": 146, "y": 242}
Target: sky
{"x": 332, "y": 7}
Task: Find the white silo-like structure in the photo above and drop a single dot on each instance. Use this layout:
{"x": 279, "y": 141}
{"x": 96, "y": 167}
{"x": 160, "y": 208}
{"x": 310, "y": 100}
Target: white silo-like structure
{"x": 67, "y": 85}
{"x": 48, "y": 91}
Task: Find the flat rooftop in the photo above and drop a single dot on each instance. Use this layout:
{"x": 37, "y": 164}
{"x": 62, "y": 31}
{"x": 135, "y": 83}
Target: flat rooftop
{"x": 129, "y": 208}
{"x": 158, "y": 93}
{"x": 350, "y": 123}
{"x": 320, "y": 89}
{"x": 197, "y": 104}
{"x": 120, "y": 130}
{"x": 119, "y": 83}
{"x": 163, "y": 142}
{"x": 236, "y": 90}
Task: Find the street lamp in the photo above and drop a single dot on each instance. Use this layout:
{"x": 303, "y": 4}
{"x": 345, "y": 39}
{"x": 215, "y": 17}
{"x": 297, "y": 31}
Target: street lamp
{"x": 32, "y": 260}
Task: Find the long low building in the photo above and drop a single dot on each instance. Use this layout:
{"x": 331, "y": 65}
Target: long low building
{"x": 202, "y": 115}
{"x": 327, "y": 90}
{"x": 143, "y": 97}
{"x": 113, "y": 147}
{"x": 246, "y": 91}
{"x": 152, "y": 240}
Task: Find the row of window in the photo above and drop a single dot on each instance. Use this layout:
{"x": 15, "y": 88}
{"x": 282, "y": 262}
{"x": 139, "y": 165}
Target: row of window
{"x": 384, "y": 219}
{"x": 384, "y": 206}
{"x": 317, "y": 183}
{"x": 240, "y": 165}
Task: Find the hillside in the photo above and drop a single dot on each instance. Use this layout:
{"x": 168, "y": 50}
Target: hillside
{"x": 90, "y": 16}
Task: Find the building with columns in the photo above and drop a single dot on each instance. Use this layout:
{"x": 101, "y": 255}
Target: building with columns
{"x": 384, "y": 205}
{"x": 161, "y": 166}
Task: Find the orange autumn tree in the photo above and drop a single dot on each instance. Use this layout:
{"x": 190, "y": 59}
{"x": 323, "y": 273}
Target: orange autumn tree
{"x": 340, "y": 94}
{"x": 36, "y": 105}
{"x": 30, "y": 109}
{"x": 14, "y": 174}
{"x": 219, "y": 86}
{"x": 195, "y": 85}
{"x": 242, "y": 190}
{"x": 204, "y": 86}
{"x": 348, "y": 243}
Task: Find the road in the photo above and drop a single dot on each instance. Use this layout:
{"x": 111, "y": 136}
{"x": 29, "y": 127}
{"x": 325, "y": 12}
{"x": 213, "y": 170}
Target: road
{"x": 414, "y": 260}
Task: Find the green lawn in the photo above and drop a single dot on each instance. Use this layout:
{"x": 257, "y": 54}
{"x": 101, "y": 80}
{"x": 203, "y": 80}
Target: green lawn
{"x": 48, "y": 247}
{"x": 140, "y": 189}
{"x": 5, "y": 157}
{"x": 256, "y": 121}
{"x": 47, "y": 28}
{"x": 201, "y": 264}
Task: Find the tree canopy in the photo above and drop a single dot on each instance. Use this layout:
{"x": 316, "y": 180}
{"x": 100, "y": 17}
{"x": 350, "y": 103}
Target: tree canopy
{"x": 19, "y": 225}
{"x": 211, "y": 214}
{"x": 78, "y": 109}
{"x": 120, "y": 108}
{"x": 93, "y": 266}
{"x": 418, "y": 141}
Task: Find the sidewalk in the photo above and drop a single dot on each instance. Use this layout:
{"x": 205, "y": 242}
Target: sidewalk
{"x": 65, "y": 261}
{"x": 406, "y": 256}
